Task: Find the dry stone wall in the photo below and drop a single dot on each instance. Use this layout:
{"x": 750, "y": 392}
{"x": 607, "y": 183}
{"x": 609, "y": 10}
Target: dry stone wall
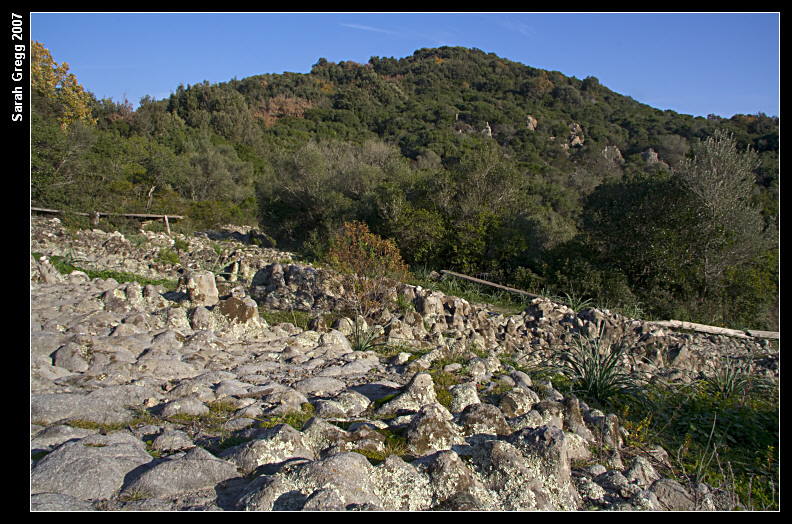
{"x": 148, "y": 399}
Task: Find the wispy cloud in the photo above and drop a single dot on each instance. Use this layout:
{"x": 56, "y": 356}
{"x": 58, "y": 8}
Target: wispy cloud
{"x": 369, "y": 28}
{"x": 513, "y": 25}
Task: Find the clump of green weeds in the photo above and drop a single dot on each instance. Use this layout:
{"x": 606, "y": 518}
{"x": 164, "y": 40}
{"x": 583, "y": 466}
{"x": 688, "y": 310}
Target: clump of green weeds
{"x": 726, "y": 437}
{"x": 595, "y": 369}
{"x": 168, "y": 256}
{"x": 293, "y": 316}
{"x": 363, "y": 337}
{"x": 393, "y": 444}
{"x": 295, "y": 419}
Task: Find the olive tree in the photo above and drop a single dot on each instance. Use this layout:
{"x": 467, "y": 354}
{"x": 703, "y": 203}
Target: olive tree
{"x": 728, "y": 230}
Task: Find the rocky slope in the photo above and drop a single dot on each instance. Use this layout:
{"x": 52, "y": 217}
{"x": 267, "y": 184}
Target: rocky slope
{"x": 147, "y": 399}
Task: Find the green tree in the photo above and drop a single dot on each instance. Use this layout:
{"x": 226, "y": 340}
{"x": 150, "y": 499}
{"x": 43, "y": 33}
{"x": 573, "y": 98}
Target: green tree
{"x": 729, "y": 231}
{"x": 56, "y": 158}
{"x": 671, "y": 149}
{"x": 216, "y": 173}
{"x": 640, "y": 227}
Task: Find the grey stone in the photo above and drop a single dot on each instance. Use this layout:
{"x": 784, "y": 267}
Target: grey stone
{"x": 273, "y": 449}
{"x": 671, "y": 495}
{"x": 53, "y": 436}
{"x": 195, "y": 470}
{"x": 201, "y": 288}
{"x": 642, "y": 472}
{"x": 418, "y": 393}
{"x": 320, "y": 386}
{"x": 101, "y": 469}
{"x": 189, "y": 406}
{"x": 271, "y": 493}
{"x": 172, "y": 440}
{"x": 104, "y": 406}
{"x": 58, "y": 502}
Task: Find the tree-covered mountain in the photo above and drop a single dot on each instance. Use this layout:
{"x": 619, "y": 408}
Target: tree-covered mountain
{"x": 468, "y": 161}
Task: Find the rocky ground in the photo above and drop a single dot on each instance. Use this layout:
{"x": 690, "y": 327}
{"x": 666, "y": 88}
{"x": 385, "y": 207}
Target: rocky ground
{"x": 144, "y": 398}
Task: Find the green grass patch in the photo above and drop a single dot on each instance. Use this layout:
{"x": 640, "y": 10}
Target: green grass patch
{"x": 295, "y": 419}
{"x": 298, "y": 318}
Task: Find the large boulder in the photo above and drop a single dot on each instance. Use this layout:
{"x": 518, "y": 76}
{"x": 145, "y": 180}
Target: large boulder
{"x": 418, "y": 393}
{"x": 92, "y": 468}
{"x": 194, "y": 470}
{"x": 201, "y": 288}
{"x": 432, "y": 429}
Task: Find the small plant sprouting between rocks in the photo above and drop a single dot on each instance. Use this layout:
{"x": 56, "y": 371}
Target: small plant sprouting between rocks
{"x": 731, "y": 378}
{"x": 363, "y": 337}
{"x": 295, "y": 419}
{"x": 595, "y": 370}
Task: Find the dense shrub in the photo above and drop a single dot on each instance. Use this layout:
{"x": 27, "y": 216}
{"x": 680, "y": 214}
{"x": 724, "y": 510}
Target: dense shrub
{"x": 369, "y": 263}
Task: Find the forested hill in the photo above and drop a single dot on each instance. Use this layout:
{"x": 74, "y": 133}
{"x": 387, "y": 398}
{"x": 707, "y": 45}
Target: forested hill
{"x": 468, "y": 161}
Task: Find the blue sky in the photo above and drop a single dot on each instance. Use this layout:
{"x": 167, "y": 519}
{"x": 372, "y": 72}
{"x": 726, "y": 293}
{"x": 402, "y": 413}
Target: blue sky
{"x": 696, "y": 64}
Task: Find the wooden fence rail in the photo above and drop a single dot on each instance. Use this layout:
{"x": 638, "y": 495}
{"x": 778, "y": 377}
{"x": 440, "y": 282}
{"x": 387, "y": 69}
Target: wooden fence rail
{"x": 498, "y": 286}
{"x": 95, "y": 215}
{"x": 677, "y": 324}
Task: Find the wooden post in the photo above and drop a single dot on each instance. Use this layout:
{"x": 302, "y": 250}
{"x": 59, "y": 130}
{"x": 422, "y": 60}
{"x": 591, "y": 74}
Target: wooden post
{"x": 167, "y": 226}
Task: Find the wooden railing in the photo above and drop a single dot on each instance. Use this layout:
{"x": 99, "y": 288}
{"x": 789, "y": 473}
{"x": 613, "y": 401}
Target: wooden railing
{"x": 677, "y": 324}
{"x": 95, "y": 215}
{"x": 498, "y": 286}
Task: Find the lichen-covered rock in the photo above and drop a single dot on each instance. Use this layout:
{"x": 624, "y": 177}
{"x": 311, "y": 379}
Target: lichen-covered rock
{"x": 547, "y": 446}
{"x": 201, "y": 288}
{"x": 348, "y": 475}
{"x": 483, "y": 418}
{"x": 432, "y": 429}
{"x": 418, "y": 393}
{"x": 429, "y": 305}
{"x": 517, "y": 401}
{"x": 511, "y": 476}
{"x": 402, "y": 487}
{"x": 463, "y": 395}
{"x": 451, "y": 479}
{"x": 272, "y": 449}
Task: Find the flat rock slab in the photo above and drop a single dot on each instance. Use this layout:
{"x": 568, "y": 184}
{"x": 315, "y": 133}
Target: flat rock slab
{"x": 195, "y": 470}
{"x": 101, "y": 468}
